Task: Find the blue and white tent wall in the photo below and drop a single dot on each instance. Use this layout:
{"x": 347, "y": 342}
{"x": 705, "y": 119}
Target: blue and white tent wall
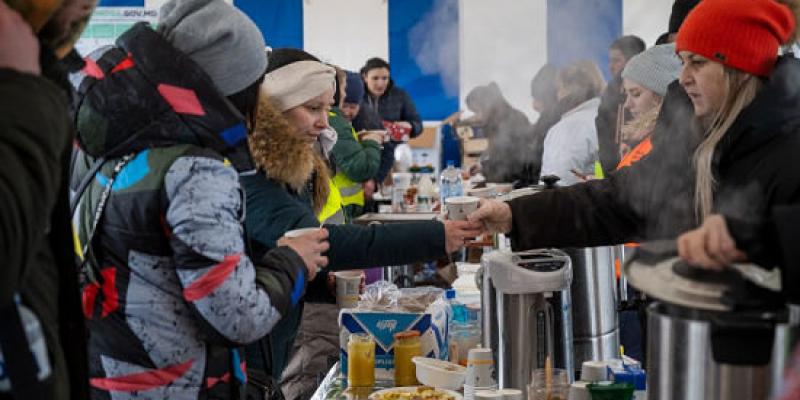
{"x": 441, "y": 49}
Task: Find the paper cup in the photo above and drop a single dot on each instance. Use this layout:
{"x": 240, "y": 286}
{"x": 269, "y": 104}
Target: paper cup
{"x": 480, "y": 367}
{"x": 299, "y": 232}
{"x": 347, "y": 288}
{"x": 459, "y": 207}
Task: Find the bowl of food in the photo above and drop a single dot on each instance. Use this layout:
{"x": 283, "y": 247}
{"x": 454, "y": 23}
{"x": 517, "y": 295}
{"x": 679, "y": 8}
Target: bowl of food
{"x": 439, "y": 374}
{"x": 415, "y": 393}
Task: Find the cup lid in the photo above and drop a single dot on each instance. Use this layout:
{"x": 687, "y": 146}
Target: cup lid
{"x": 406, "y": 334}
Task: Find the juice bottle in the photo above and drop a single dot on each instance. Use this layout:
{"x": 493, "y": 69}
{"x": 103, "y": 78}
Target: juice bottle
{"x": 407, "y": 345}
{"x": 361, "y": 360}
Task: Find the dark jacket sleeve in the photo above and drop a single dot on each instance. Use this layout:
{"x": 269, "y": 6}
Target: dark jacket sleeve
{"x": 358, "y": 160}
{"x": 409, "y": 114}
{"x": 582, "y": 215}
{"x": 273, "y": 211}
{"x": 34, "y": 136}
{"x": 355, "y": 246}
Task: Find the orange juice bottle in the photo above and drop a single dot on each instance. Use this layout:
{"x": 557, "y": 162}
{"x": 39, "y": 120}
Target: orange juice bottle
{"x": 361, "y": 360}
{"x": 407, "y": 345}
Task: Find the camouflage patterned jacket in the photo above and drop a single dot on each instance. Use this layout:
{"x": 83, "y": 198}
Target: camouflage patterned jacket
{"x": 169, "y": 291}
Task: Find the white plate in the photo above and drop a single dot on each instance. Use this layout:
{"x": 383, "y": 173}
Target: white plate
{"x": 413, "y": 389}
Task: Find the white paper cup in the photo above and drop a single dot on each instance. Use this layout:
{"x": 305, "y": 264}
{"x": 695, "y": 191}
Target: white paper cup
{"x": 459, "y": 207}
{"x": 299, "y": 232}
{"x": 348, "y": 284}
{"x": 480, "y": 367}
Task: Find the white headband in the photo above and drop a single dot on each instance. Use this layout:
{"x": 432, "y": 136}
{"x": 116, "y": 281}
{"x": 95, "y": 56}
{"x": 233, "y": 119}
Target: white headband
{"x": 294, "y": 84}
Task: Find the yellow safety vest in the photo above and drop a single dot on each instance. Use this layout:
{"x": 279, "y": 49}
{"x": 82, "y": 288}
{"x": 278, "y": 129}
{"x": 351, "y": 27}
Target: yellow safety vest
{"x": 332, "y": 212}
{"x": 352, "y": 192}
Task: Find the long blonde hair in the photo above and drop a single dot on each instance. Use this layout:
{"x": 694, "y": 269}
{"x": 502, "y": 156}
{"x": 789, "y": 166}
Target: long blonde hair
{"x": 740, "y": 90}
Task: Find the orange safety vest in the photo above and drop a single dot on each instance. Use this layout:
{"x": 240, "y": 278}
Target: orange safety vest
{"x": 637, "y": 153}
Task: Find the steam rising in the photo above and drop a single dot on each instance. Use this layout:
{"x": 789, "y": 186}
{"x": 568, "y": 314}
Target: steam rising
{"x": 436, "y": 50}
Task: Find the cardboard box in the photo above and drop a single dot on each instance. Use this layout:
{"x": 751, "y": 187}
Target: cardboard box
{"x": 475, "y": 146}
{"x": 432, "y": 325}
{"x": 426, "y": 139}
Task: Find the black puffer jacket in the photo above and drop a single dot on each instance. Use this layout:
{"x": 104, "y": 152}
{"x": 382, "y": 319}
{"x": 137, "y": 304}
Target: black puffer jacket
{"x": 394, "y": 105}
{"x": 756, "y": 167}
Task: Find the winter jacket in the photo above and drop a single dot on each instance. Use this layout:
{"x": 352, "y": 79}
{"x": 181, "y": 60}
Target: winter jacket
{"x": 394, "y": 105}
{"x": 539, "y": 130}
{"x": 755, "y": 165}
{"x": 353, "y": 161}
{"x": 170, "y": 294}
{"x": 608, "y": 123}
{"x": 283, "y": 196}
{"x": 359, "y": 160}
{"x": 572, "y": 144}
{"x": 37, "y": 254}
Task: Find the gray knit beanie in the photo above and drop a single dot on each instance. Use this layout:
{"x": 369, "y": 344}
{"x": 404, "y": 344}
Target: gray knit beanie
{"x": 655, "y": 68}
{"x": 218, "y": 37}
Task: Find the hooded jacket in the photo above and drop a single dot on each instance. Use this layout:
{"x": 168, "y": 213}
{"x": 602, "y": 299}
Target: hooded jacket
{"x": 169, "y": 291}
{"x": 285, "y": 195}
{"x": 755, "y": 165}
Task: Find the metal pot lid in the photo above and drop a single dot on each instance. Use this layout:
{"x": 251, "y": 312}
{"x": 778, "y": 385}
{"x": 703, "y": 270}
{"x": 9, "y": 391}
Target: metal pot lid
{"x": 661, "y": 281}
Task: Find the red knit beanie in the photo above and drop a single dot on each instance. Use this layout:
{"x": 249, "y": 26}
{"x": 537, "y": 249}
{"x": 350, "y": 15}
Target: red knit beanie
{"x": 743, "y": 34}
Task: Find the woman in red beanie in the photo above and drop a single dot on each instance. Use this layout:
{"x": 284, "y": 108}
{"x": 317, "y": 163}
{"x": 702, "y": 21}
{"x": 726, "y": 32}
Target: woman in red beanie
{"x": 741, "y": 92}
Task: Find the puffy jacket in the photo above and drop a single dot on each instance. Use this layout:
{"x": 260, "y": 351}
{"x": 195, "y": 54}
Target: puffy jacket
{"x": 169, "y": 292}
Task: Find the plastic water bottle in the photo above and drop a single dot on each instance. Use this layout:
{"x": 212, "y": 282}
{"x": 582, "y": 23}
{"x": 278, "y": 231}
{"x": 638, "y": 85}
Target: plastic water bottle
{"x": 450, "y": 183}
{"x": 458, "y": 311}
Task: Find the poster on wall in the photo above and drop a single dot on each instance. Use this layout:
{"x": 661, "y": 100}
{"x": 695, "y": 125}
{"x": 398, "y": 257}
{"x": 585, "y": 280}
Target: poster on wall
{"x": 108, "y": 23}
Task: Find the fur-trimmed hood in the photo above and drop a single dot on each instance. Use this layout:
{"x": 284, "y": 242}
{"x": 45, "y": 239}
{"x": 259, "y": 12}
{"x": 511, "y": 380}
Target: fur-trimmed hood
{"x": 285, "y": 157}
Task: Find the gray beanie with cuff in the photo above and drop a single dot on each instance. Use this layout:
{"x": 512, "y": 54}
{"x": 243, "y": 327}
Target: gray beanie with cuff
{"x": 218, "y": 37}
{"x": 655, "y": 68}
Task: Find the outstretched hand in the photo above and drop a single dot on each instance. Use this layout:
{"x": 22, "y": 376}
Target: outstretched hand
{"x": 494, "y": 216}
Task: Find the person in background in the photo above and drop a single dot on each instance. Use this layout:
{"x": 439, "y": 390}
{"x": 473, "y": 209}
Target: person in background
{"x": 290, "y": 190}
{"x": 510, "y": 151}
{"x": 570, "y": 147}
{"x": 645, "y": 80}
{"x": 611, "y": 115}
{"x": 742, "y": 167}
{"x": 544, "y": 91}
{"x": 393, "y": 105}
{"x": 170, "y": 291}
{"x": 680, "y": 9}
{"x": 38, "y": 281}
{"x": 354, "y": 158}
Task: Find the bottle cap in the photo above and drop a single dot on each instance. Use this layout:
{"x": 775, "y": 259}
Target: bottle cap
{"x": 450, "y": 294}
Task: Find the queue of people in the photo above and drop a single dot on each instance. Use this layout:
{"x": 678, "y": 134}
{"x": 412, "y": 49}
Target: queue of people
{"x": 196, "y": 152}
